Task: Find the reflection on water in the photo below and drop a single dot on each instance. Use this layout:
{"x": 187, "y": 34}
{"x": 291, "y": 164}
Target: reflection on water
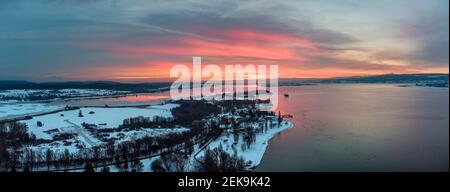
{"x": 362, "y": 128}
{"x": 141, "y": 99}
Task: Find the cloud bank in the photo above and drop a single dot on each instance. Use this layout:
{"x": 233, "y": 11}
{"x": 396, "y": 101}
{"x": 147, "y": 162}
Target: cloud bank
{"x": 49, "y": 40}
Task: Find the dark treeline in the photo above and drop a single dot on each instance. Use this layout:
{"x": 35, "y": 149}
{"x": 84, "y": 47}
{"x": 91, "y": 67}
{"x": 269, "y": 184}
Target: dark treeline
{"x": 215, "y": 160}
{"x": 13, "y": 136}
{"x": 155, "y": 122}
{"x": 193, "y": 110}
{"x": 135, "y": 87}
{"x": 33, "y": 97}
{"x": 386, "y": 78}
{"x": 218, "y": 160}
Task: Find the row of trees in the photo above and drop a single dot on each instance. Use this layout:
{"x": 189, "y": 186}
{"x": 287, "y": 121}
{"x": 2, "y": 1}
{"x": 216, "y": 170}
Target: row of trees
{"x": 33, "y": 97}
{"x": 124, "y": 155}
{"x": 218, "y": 160}
{"x": 139, "y": 122}
{"x": 215, "y": 160}
{"x": 173, "y": 162}
{"x": 15, "y": 133}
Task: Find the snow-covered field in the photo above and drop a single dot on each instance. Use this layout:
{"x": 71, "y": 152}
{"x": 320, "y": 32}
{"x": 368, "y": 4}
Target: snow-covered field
{"x": 108, "y": 117}
{"x": 14, "y": 103}
{"x": 255, "y": 152}
{"x": 17, "y": 95}
{"x": 71, "y": 122}
{"x": 11, "y": 110}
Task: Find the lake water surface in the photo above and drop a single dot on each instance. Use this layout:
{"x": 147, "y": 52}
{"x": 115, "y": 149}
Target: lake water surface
{"x": 359, "y": 127}
{"x": 139, "y": 99}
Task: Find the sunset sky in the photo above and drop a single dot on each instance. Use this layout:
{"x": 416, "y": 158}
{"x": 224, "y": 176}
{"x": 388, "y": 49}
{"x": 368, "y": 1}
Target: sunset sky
{"x": 139, "y": 40}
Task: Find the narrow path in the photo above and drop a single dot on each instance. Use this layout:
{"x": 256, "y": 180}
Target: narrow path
{"x": 203, "y": 148}
{"x": 178, "y": 147}
{"x": 82, "y": 132}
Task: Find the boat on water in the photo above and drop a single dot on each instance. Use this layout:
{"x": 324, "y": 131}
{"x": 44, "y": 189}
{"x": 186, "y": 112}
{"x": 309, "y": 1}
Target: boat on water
{"x": 286, "y": 95}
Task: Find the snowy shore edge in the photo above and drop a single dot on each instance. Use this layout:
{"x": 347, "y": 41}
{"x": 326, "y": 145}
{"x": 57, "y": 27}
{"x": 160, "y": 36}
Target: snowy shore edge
{"x": 267, "y": 137}
{"x": 255, "y": 153}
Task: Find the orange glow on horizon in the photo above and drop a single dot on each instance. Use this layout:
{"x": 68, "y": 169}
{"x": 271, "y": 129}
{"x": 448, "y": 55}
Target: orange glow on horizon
{"x": 294, "y": 54}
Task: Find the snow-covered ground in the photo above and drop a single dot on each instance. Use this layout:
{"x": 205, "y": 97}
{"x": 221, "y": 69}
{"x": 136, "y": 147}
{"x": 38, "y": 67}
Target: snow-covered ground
{"x": 12, "y": 110}
{"x": 165, "y": 107}
{"x": 55, "y": 124}
{"x": 255, "y": 152}
{"x": 17, "y": 95}
{"x": 58, "y": 147}
{"x": 17, "y": 103}
{"x": 108, "y": 117}
{"x": 71, "y": 122}
{"x": 59, "y": 92}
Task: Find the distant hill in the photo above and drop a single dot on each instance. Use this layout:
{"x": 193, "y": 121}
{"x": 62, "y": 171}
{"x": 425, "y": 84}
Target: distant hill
{"x": 387, "y": 78}
{"x": 144, "y": 87}
{"x": 7, "y": 83}
{"x": 136, "y": 87}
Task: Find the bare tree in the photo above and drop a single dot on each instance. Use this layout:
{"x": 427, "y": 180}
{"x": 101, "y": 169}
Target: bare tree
{"x": 66, "y": 159}
{"x": 49, "y": 158}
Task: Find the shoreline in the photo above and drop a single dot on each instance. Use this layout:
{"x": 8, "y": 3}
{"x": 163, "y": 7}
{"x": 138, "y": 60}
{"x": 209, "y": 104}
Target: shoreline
{"x": 288, "y": 126}
{"x": 255, "y": 153}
